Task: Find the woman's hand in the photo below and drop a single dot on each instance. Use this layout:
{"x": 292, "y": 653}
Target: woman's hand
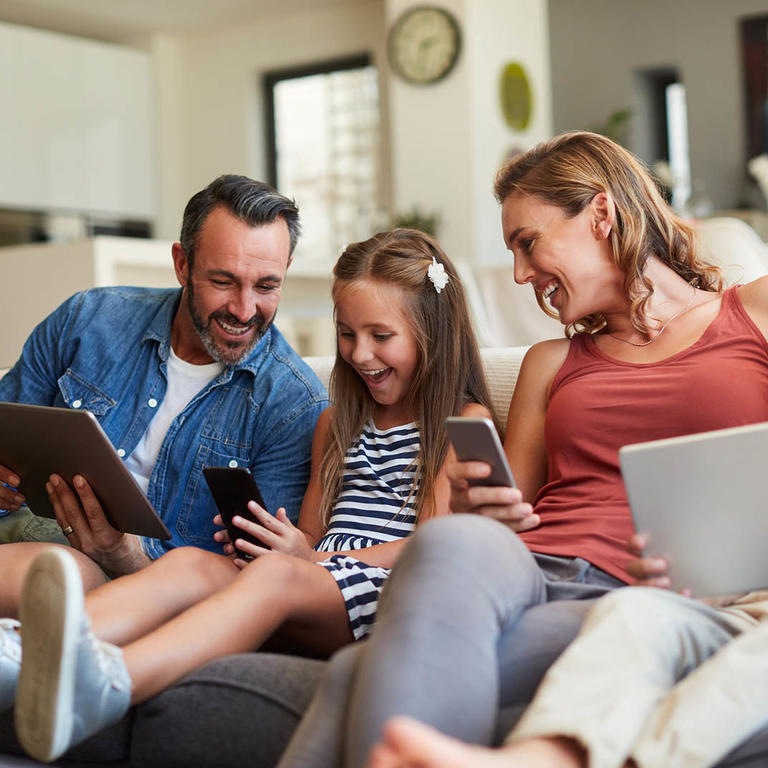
{"x": 277, "y": 533}
{"x": 649, "y": 571}
{"x": 501, "y": 503}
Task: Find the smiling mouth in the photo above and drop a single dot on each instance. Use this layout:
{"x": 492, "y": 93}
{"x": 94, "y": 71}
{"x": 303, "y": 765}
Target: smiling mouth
{"x": 549, "y": 290}
{"x": 376, "y": 375}
{"x": 234, "y": 330}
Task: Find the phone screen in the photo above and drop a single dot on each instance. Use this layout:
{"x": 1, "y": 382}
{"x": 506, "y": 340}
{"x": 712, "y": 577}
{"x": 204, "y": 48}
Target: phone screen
{"x": 232, "y": 488}
{"x": 476, "y": 439}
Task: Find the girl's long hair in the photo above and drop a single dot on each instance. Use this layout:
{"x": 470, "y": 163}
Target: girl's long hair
{"x": 568, "y": 171}
{"x": 449, "y": 372}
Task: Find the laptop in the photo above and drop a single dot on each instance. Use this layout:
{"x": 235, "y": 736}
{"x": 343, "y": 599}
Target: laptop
{"x": 703, "y": 499}
{"x": 36, "y": 441}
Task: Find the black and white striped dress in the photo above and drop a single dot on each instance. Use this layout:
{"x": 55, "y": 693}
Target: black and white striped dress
{"x": 379, "y": 477}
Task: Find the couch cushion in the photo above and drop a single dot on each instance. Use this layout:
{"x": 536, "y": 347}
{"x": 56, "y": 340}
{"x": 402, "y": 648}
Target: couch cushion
{"x": 237, "y": 710}
{"x": 502, "y": 365}
{"x": 110, "y": 747}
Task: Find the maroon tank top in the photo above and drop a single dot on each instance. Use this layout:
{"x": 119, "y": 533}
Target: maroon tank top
{"x": 597, "y": 404}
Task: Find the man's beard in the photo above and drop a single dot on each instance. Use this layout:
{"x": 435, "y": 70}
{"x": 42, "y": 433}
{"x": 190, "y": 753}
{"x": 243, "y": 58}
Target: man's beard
{"x": 229, "y": 353}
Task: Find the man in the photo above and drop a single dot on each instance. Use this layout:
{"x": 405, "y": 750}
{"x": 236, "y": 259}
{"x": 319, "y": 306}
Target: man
{"x": 178, "y": 379}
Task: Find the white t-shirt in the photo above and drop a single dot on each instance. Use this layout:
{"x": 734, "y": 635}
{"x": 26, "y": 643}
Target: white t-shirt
{"x": 185, "y": 380}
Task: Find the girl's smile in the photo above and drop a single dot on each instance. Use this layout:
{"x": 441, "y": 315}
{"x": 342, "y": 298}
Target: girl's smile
{"x": 374, "y": 378}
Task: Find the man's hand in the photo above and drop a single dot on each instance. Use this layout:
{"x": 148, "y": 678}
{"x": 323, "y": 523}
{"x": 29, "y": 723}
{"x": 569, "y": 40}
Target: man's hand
{"x": 649, "y": 571}
{"x": 10, "y": 498}
{"x": 83, "y": 522}
{"x": 501, "y": 503}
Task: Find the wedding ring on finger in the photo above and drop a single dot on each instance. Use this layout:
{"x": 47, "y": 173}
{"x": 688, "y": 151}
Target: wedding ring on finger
{"x": 68, "y": 531}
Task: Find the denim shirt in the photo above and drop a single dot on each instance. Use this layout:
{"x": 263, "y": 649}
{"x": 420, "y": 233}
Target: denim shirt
{"x": 106, "y": 350}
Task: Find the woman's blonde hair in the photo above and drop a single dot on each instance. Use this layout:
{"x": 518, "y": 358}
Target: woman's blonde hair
{"x": 449, "y": 372}
{"x": 569, "y": 170}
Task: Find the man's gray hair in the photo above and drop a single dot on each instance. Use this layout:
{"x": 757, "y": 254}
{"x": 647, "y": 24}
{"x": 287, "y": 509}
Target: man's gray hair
{"x": 254, "y": 202}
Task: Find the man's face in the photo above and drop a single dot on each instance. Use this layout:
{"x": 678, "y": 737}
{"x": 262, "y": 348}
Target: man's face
{"x": 233, "y": 289}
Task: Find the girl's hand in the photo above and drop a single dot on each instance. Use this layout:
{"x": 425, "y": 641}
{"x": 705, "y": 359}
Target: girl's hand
{"x": 277, "y": 533}
{"x": 649, "y": 571}
{"x": 501, "y": 503}
{"x": 222, "y": 535}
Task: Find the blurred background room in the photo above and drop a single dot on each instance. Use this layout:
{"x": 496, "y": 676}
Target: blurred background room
{"x": 370, "y": 113}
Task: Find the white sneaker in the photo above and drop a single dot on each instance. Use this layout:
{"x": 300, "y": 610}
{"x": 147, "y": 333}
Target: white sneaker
{"x": 10, "y": 661}
{"x": 71, "y": 684}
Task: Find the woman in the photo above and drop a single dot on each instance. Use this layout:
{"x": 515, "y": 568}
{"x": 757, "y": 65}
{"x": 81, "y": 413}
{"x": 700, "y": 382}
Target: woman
{"x": 474, "y": 613}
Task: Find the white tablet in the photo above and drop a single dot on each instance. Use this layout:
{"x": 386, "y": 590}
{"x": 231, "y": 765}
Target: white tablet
{"x": 703, "y": 499}
{"x": 36, "y": 441}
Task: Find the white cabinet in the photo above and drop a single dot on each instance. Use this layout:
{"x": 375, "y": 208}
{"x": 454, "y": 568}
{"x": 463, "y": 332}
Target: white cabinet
{"x": 37, "y": 278}
{"x": 75, "y": 125}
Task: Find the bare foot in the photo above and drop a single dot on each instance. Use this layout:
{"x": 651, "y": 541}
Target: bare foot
{"x": 406, "y": 743}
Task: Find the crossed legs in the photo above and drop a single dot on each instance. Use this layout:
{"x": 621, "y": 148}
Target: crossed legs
{"x": 628, "y": 689}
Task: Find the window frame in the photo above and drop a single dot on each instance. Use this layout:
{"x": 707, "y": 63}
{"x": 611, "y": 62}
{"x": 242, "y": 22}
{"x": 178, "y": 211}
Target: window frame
{"x": 273, "y": 77}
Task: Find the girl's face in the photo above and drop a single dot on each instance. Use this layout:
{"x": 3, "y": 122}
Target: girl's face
{"x": 568, "y": 261}
{"x": 376, "y": 339}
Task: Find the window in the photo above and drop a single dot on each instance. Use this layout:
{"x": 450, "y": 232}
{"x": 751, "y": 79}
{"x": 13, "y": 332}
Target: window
{"x": 324, "y": 151}
{"x": 662, "y": 132}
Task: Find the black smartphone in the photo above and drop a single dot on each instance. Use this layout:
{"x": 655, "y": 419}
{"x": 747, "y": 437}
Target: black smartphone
{"x": 232, "y": 488}
{"x": 476, "y": 439}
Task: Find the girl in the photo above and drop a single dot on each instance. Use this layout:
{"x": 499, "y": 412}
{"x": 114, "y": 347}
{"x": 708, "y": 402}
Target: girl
{"x": 406, "y": 359}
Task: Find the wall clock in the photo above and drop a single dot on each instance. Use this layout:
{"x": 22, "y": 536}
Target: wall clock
{"x": 424, "y": 44}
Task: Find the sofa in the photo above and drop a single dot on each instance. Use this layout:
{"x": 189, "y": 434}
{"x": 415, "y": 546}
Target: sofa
{"x": 241, "y": 710}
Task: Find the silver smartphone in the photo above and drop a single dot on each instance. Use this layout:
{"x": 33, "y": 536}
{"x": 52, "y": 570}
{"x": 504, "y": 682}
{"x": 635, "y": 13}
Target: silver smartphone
{"x": 476, "y": 439}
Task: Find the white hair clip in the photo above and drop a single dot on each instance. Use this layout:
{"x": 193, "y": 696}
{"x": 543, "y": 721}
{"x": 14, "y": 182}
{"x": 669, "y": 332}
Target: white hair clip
{"x": 436, "y": 273}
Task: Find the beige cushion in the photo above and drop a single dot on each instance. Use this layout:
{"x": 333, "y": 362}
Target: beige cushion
{"x": 735, "y": 247}
{"x": 502, "y": 365}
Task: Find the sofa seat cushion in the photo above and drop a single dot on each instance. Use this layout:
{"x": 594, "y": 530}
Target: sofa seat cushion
{"x": 236, "y": 710}
{"x": 110, "y": 747}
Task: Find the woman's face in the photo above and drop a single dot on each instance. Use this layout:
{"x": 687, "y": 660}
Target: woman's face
{"x": 568, "y": 261}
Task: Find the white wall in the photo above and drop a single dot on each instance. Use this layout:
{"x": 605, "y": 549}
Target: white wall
{"x": 210, "y": 92}
{"x": 448, "y": 139}
{"x": 503, "y": 31}
{"x": 431, "y": 136}
{"x": 597, "y": 44}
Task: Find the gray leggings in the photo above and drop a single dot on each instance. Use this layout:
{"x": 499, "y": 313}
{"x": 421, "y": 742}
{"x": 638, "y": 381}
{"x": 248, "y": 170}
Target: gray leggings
{"x": 467, "y": 625}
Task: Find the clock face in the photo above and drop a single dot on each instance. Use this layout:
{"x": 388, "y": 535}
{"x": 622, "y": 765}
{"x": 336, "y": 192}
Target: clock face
{"x": 424, "y": 44}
